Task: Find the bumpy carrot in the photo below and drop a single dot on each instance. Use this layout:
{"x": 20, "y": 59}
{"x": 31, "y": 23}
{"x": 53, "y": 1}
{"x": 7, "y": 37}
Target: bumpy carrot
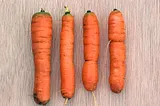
{"x": 91, "y": 51}
{"x": 116, "y": 32}
{"x": 66, "y": 56}
{"x": 41, "y": 28}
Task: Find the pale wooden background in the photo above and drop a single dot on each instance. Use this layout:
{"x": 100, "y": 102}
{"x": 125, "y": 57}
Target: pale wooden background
{"x": 142, "y": 19}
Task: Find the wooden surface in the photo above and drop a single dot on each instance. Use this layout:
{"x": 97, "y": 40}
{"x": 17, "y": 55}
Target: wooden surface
{"x": 142, "y": 18}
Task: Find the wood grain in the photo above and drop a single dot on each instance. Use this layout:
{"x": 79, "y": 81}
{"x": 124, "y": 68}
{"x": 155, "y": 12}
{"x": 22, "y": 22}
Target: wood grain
{"x": 142, "y": 18}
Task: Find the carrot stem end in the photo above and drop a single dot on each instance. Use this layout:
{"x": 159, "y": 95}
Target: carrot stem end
{"x": 67, "y": 11}
{"x": 115, "y": 9}
{"x": 42, "y": 10}
{"x": 88, "y": 11}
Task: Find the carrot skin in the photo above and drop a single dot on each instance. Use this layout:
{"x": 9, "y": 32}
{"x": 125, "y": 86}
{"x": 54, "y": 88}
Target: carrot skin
{"x": 90, "y": 75}
{"x": 117, "y": 66}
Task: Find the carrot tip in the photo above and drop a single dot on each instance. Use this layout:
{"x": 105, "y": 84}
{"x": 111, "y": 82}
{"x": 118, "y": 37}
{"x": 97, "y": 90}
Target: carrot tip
{"x": 39, "y": 102}
{"x": 118, "y": 91}
{"x": 115, "y": 9}
{"x": 66, "y": 101}
{"x": 42, "y": 10}
{"x": 88, "y": 11}
{"x": 67, "y": 11}
{"x": 94, "y": 97}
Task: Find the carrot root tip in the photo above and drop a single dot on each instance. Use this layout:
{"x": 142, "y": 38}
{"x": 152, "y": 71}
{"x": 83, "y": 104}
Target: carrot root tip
{"x": 94, "y": 97}
{"x": 66, "y": 101}
{"x": 116, "y": 91}
{"x": 38, "y": 101}
{"x": 67, "y": 98}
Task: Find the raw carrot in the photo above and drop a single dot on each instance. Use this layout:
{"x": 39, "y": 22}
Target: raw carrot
{"x": 116, "y": 34}
{"x": 66, "y": 56}
{"x": 41, "y": 28}
{"x": 91, "y": 51}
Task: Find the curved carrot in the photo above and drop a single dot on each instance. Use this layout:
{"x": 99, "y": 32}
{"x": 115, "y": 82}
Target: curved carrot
{"x": 116, "y": 34}
{"x": 66, "y": 55}
{"x": 91, "y": 51}
{"x": 41, "y": 28}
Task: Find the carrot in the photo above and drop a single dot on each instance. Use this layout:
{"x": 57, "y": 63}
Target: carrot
{"x": 66, "y": 56}
{"x": 41, "y": 28}
{"x": 91, "y": 51}
{"x": 116, "y": 32}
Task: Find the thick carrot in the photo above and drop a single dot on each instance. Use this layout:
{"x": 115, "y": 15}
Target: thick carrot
{"x": 41, "y": 28}
{"x": 91, "y": 51}
{"x": 116, "y": 34}
{"x": 66, "y": 55}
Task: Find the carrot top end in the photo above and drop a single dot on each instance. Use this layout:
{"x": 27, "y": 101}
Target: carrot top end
{"x": 88, "y": 11}
{"x": 41, "y": 12}
{"x": 67, "y": 11}
{"x": 115, "y": 10}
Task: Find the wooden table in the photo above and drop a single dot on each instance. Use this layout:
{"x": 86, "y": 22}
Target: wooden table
{"x": 142, "y": 18}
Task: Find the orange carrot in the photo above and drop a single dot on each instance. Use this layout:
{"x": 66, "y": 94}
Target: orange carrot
{"x": 66, "y": 56}
{"x": 41, "y": 28}
{"x": 116, "y": 34}
{"x": 91, "y": 51}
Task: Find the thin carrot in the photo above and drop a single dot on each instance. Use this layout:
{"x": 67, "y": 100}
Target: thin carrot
{"x": 66, "y": 56}
{"x": 117, "y": 50}
{"x": 91, "y": 51}
{"x": 41, "y": 28}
